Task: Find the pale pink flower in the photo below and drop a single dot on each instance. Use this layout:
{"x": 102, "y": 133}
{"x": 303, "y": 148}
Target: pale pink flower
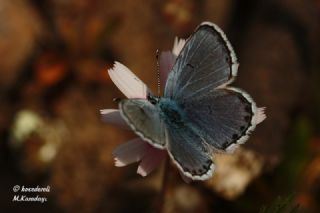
{"x": 137, "y": 150}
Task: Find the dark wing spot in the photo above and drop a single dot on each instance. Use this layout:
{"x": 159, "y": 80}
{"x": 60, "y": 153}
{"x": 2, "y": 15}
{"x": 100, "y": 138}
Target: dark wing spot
{"x": 234, "y": 136}
{"x": 226, "y": 144}
{"x": 190, "y": 65}
{"x": 248, "y": 109}
{"x": 247, "y": 118}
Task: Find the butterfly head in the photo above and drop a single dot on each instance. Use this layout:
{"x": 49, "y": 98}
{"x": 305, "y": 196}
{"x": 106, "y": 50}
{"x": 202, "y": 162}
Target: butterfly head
{"x": 153, "y": 99}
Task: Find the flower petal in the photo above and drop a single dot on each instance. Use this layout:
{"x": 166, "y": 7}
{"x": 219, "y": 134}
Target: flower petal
{"x": 112, "y": 116}
{"x": 151, "y": 160}
{"x": 130, "y": 152}
{"x": 260, "y": 115}
{"x": 127, "y": 82}
{"x": 178, "y": 45}
{"x": 167, "y": 60}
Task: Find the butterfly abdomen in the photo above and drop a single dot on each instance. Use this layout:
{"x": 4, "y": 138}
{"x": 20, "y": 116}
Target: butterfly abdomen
{"x": 171, "y": 113}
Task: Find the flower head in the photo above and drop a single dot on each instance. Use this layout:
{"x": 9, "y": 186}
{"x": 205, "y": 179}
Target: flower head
{"x": 199, "y": 113}
{"x": 137, "y": 150}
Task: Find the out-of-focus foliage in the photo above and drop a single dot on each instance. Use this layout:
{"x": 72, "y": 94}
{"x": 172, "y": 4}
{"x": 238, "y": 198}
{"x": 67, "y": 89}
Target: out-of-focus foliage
{"x": 281, "y": 205}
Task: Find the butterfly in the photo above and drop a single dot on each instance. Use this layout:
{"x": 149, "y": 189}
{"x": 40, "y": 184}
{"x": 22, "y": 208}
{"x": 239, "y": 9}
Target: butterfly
{"x": 199, "y": 113}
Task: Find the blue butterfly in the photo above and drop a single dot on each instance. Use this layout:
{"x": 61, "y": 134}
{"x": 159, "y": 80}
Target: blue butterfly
{"x": 199, "y": 114}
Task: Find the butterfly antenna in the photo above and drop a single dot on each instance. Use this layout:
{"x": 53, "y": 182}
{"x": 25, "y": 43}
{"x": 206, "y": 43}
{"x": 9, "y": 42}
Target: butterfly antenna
{"x": 158, "y": 72}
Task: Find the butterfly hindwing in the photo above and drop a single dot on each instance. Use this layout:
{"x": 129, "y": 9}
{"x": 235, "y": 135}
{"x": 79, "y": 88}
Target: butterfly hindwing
{"x": 206, "y": 61}
{"x": 189, "y": 152}
{"x": 224, "y": 117}
{"x": 144, "y": 119}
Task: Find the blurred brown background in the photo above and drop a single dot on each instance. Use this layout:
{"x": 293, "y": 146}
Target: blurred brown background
{"x": 54, "y": 57}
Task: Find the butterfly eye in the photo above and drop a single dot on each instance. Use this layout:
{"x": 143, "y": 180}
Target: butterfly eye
{"x": 152, "y": 99}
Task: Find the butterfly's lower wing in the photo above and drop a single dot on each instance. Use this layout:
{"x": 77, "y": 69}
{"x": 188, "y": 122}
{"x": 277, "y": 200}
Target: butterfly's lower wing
{"x": 224, "y": 117}
{"x": 143, "y": 118}
{"x": 206, "y": 61}
{"x": 189, "y": 152}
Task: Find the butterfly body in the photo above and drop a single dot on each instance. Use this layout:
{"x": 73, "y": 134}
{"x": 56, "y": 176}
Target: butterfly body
{"x": 171, "y": 113}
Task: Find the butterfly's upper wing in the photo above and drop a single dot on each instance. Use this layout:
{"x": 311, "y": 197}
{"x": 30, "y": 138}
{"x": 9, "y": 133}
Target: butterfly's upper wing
{"x": 144, "y": 118}
{"x": 206, "y": 61}
{"x": 224, "y": 117}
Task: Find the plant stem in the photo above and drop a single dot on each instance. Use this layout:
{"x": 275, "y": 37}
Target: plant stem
{"x": 164, "y": 186}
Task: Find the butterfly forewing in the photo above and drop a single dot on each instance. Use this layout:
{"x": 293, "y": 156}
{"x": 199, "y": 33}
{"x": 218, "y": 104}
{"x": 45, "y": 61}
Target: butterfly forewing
{"x": 206, "y": 61}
